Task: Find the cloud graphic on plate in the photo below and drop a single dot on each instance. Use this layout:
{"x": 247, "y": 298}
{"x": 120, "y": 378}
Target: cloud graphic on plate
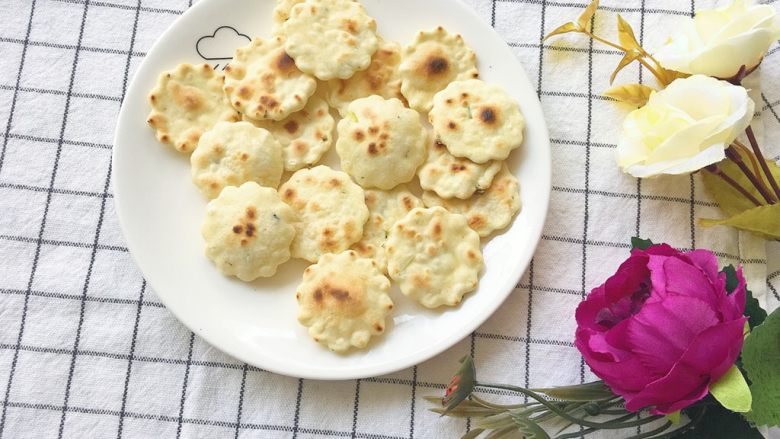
{"x": 221, "y": 44}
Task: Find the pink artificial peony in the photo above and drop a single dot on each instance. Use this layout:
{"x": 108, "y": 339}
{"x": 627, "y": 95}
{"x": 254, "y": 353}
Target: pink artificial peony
{"x": 663, "y": 329}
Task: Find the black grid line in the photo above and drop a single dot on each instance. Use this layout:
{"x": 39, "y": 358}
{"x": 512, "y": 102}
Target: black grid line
{"x": 130, "y": 357}
{"x": 61, "y": 140}
{"x": 355, "y": 408}
{"x": 58, "y": 93}
{"x": 25, "y": 44}
{"x": 70, "y": 46}
{"x": 241, "y": 400}
{"x": 187, "y": 364}
{"x": 43, "y": 221}
{"x": 59, "y": 243}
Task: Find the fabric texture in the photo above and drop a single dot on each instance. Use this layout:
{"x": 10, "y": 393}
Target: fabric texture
{"x": 88, "y": 350}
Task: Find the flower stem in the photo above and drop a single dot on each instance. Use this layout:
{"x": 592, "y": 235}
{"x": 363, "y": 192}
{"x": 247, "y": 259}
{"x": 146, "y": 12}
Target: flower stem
{"x": 757, "y": 183}
{"x": 641, "y": 60}
{"x": 717, "y": 171}
{"x": 744, "y": 150}
{"x": 761, "y": 161}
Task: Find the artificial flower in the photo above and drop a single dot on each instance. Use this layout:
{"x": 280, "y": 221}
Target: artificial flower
{"x": 684, "y": 127}
{"x": 718, "y": 42}
{"x": 663, "y": 329}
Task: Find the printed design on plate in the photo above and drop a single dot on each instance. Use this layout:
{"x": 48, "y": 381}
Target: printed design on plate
{"x": 220, "y": 45}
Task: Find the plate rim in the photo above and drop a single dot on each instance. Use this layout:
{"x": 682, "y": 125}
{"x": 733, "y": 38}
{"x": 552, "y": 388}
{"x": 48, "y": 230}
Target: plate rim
{"x": 433, "y": 350}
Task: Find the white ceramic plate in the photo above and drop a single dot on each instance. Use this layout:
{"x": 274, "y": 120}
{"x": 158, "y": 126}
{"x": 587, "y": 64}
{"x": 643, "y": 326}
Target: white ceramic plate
{"x": 161, "y": 211}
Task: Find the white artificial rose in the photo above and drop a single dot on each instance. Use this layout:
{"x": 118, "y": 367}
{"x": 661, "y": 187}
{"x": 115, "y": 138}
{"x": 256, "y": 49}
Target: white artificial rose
{"x": 684, "y": 127}
{"x": 718, "y": 42}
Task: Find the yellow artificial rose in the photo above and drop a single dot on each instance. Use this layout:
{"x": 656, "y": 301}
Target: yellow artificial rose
{"x": 684, "y": 127}
{"x": 720, "y": 41}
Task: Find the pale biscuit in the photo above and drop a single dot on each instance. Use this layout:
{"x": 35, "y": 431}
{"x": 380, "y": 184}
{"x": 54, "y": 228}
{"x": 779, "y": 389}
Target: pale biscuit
{"x": 381, "y": 79}
{"x": 434, "y": 256}
{"x": 262, "y": 81}
{"x": 282, "y": 12}
{"x": 454, "y": 177}
{"x": 330, "y": 38}
{"x": 186, "y": 102}
{"x": 331, "y": 211}
{"x": 305, "y": 135}
{"x": 381, "y": 143}
{"x": 371, "y": 245}
{"x": 489, "y": 211}
{"x": 476, "y": 120}
{"x": 435, "y": 59}
{"x": 385, "y": 208}
{"x": 343, "y": 301}
{"x": 231, "y": 154}
{"x": 248, "y": 231}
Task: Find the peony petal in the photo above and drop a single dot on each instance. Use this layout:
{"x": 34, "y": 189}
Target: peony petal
{"x": 733, "y": 306}
{"x": 587, "y": 310}
{"x": 663, "y": 331}
{"x": 626, "y": 280}
{"x": 685, "y": 279}
{"x": 707, "y": 261}
{"x": 686, "y": 142}
{"x": 625, "y": 377}
{"x": 745, "y": 49}
{"x": 713, "y": 154}
{"x": 710, "y": 356}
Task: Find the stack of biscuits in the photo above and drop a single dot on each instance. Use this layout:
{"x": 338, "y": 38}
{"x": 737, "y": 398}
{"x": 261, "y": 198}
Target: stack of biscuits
{"x": 256, "y": 134}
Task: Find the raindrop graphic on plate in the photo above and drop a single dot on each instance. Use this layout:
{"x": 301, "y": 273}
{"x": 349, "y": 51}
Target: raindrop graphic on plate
{"x": 220, "y": 45}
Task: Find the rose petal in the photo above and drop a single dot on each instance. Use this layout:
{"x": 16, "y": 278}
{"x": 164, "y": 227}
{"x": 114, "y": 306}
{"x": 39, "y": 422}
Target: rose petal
{"x": 663, "y": 331}
{"x": 625, "y": 377}
{"x": 709, "y": 357}
{"x": 707, "y": 261}
{"x": 686, "y": 279}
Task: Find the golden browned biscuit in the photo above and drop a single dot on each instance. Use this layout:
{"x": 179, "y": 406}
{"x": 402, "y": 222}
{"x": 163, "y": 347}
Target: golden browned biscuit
{"x": 435, "y": 59}
{"x": 343, "y": 301}
{"x": 262, "y": 81}
{"x": 186, "y": 102}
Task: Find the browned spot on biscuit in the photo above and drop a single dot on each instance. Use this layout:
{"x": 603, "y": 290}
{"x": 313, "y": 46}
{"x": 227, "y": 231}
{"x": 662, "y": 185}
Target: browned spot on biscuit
{"x": 327, "y": 232}
{"x": 437, "y": 229}
{"x": 268, "y": 101}
{"x": 291, "y": 127}
{"x": 288, "y": 194}
{"x": 359, "y": 136}
{"x": 378, "y": 327}
{"x": 471, "y": 254}
{"x": 238, "y": 229}
{"x": 350, "y": 26}
{"x": 250, "y": 230}
{"x": 374, "y": 130}
{"x": 437, "y": 65}
{"x": 318, "y": 295}
{"x": 335, "y": 182}
{"x": 340, "y": 295}
{"x": 407, "y": 202}
{"x": 452, "y": 125}
{"x": 457, "y": 167}
{"x": 285, "y": 63}
{"x": 244, "y": 157}
{"x": 251, "y": 212}
{"x": 244, "y": 92}
{"x": 488, "y": 116}
{"x": 477, "y": 221}
{"x": 244, "y": 242}
{"x": 372, "y": 150}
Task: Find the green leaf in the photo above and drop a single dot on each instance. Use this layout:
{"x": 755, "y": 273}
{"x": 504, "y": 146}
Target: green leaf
{"x": 718, "y": 423}
{"x": 587, "y": 15}
{"x": 732, "y": 282}
{"x": 762, "y": 221}
{"x": 461, "y": 385}
{"x": 760, "y": 358}
{"x": 674, "y": 417}
{"x": 756, "y": 314}
{"x": 595, "y": 391}
{"x": 635, "y": 95}
{"x": 563, "y": 29}
{"x": 640, "y": 244}
{"x": 732, "y": 391}
{"x": 628, "y": 58}
{"x": 730, "y": 201}
{"x": 626, "y": 35}
{"x": 529, "y": 428}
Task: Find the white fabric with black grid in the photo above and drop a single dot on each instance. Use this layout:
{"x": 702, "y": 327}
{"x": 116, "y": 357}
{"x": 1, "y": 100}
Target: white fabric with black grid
{"x": 88, "y": 351}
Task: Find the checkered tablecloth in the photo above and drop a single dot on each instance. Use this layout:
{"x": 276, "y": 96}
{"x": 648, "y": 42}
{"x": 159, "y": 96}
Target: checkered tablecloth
{"x": 88, "y": 351}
